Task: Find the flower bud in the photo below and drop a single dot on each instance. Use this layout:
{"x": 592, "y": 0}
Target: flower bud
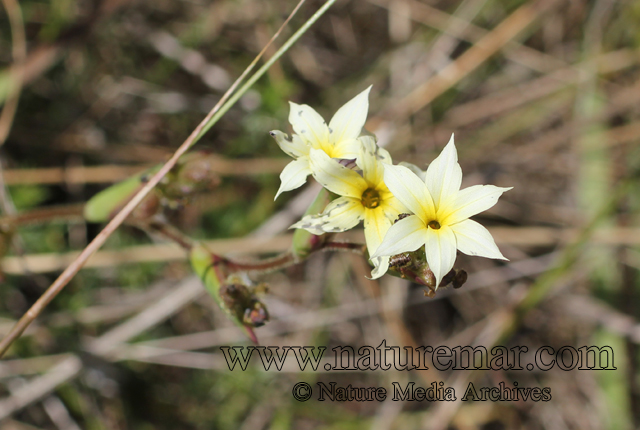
{"x": 194, "y": 173}
{"x": 414, "y": 267}
{"x": 231, "y": 292}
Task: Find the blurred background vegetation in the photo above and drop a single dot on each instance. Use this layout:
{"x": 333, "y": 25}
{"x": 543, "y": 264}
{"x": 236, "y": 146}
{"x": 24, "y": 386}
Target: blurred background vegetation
{"x": 543, "y": 96}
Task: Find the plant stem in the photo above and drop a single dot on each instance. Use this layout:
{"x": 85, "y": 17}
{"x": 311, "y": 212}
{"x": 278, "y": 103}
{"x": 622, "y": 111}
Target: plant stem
{"x": 289, "y": 258}
{"x": 266, "y": 265}
{"x": 170, "y": 232}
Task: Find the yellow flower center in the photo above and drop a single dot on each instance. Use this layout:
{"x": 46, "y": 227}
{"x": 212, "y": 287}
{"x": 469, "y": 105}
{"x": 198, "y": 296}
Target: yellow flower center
{"x": 329, "y": 149}
{"x": 434, "y": 225}
{"x": 370, "y": 198}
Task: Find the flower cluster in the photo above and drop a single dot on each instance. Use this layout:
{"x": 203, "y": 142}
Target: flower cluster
{"x": 403, "y": 207}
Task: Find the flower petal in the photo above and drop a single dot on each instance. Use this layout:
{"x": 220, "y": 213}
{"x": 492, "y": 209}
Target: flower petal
{"x": 348, "y": 149}
{"x": 444, "y": 174}
{"x": 371, "y": 159}
{"x": 340, "y": 215}
{"x": 348, "y": 121}
{"x": 312, "y": 223}
{"x": 473, "y": 239}
{"x": 381, "y": 153}
{"x": 440, "y": 248}
{"x": 381, "y": 265}
{"x": 335, "y": 177}
{"x": 376, "y": 225}
{"x": 406, "y": 235}
{"x": 392, "y": 207}
{"x": 308, "y": 124}
{"x": 294, "y": 175}
{"x": 410, "y": 190}
{"x": 293, "y": 146}
{"x": 471, "y": 201}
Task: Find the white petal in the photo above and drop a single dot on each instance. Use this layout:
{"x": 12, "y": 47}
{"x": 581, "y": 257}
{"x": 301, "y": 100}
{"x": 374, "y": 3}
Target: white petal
{"x": 381, "y": 153}
{"x": 348, "y": 149}
{"x": 381, "y": 265}
{"x": 376, "y": 225}
{"x": 343, "y": 214}
{"x": 392, "y": 208}
{"x": 422, "y": 174}
{"x": 308, "y": 124}
{"x": 440, "y": 248}
{"x": 474, "y": 239}
{"x": 410, "y": 190}
{"x": 348, "y": 121}
{"x": 406, "y": 235}
{"x": 340, "y": 215}
{"x": 367, "y": 161}
{"x": 471, "y": 201}
{"x": 371, "y": 159}
{"x": 335, "y": 177}
{"x": 312, "y": 223}
{"x": 294, "y": 175}
{"x": 444, "y": 174}
{"x": 292, "y": 146}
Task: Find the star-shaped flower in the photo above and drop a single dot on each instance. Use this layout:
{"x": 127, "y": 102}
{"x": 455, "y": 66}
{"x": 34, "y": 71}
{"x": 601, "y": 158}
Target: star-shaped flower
{"x": 363, "y": 197}
{"x": 441, "y": 213}
{"x": 337, "y": 140}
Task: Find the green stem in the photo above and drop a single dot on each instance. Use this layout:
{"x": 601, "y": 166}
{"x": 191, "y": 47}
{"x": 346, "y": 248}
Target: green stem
{"x": 170, "y": 232}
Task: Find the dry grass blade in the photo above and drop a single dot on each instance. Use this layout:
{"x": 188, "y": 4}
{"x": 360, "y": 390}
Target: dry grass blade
{"x": 114, "y": 173}
{"x": 429, "y": 15}
{"x": 501, "y": 101}
{"x": 471, "y": 59}
{"x": 187, "y": 291}
{"x": 142, "y": 253}
{"x": 589, "y": 309}
{"x": 40, "y": 386}
{"x": 29, "y": 366}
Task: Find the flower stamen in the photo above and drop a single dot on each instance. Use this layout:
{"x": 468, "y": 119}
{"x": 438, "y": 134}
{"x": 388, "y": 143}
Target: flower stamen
{"x": 370, "y": 198}
{"x": 434, "y": 225}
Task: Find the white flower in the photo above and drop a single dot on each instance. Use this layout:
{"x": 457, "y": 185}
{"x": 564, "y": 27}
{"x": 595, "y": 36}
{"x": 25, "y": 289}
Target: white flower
{"x": 362, "y": 197}
{"x": 337, "y": 140}
{"x": 441, "y": 211}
